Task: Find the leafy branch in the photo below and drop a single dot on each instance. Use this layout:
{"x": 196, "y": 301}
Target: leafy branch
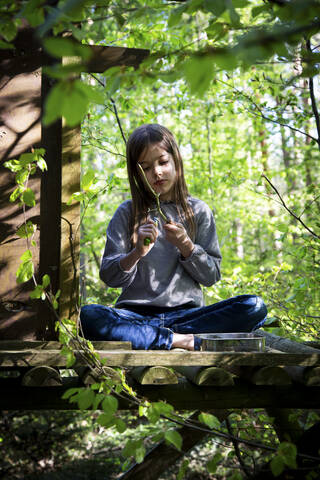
{"x": 289, "y": 210}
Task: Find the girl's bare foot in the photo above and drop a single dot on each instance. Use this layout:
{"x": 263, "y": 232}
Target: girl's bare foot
{"x": 180, "y": 340}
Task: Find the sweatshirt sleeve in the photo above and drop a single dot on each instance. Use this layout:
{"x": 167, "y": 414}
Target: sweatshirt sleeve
{"x": 117, "y": 246}
{"x": 203, "y": 265}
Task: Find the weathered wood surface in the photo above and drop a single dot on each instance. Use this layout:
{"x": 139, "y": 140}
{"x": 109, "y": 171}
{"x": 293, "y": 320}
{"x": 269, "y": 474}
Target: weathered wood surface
{"x": 268, "y": 375}
{"x": 183, "y": 396}
{"x": 20, "y": 130}
{"x": 95, "y": 375}
{"x": 42, "y": 377}
{"x": 52, "y": 345}
{"x": 285, "y": 345}
{"x": 305, "y": 375}
{"x": 157, "y": 375}
{"x": 150, "y": 358}
{"x": 70, "y": 223}
{"x": 206, "y": 375}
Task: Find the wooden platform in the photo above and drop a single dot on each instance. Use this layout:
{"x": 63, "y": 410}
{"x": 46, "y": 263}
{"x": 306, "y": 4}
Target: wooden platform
{"x": 195, "y": 380}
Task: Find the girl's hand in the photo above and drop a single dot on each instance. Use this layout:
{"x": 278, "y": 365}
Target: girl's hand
{"x": 177, "y": 235}
{"x": 149, "y": 231}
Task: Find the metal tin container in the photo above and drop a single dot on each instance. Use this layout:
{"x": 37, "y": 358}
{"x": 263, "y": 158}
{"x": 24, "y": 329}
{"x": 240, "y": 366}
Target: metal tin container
{"x": 231, "y": 342}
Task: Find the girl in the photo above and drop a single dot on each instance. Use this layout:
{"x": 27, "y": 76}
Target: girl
{"x": 161, "y": 245}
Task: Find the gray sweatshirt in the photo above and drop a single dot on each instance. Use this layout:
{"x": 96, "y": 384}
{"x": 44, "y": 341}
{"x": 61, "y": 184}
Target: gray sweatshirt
{"x": 162, "y": 278}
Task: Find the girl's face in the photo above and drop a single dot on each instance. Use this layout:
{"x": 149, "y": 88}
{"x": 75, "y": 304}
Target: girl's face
{"x": 159, "y": 168}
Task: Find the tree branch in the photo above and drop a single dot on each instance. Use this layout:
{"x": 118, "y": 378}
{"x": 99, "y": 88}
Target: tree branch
{"x": 288, "y": 209}
{"x": 313, "y": 99}
{"x": 235, "y": 444}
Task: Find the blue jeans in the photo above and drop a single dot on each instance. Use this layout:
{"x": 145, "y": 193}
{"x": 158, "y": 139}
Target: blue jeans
{"x": 153, "y": 327}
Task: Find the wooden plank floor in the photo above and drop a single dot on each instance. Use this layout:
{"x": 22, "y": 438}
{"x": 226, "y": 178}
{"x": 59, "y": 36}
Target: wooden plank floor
{"x": 133, "y": 358}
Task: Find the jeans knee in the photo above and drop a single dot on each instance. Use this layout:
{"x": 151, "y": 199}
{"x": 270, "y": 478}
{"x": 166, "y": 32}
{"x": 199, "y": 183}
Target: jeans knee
{"x": 88, "y": 312}
{"x": 261, "y": 308}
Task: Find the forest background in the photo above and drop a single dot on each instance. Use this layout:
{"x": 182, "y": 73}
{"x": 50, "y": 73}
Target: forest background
{"x": 237, "y": 83}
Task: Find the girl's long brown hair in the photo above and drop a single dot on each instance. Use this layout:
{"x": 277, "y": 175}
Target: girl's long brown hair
{"x": 142, "y": 198}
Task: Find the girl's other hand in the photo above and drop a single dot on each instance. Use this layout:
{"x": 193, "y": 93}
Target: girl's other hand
{"x": 146, "y": 230}
{"x": 178, "y": 236}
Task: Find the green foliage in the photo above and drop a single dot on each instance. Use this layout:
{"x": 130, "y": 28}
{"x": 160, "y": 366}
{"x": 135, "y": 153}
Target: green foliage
{"x": 25, "y": 166}
{"x": 212, "y": 465}
{"x": 174, "y": 438}
{"x": 210, "y": 420}
{"x": 286, "y": 455}
{"x": 228, "y": 78}
{"x": 26, "y": 267}
{"x": 70, "y": 99}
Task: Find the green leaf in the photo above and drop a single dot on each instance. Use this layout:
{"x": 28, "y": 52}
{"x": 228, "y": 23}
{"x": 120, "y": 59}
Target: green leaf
{"x": 8, "y": 30}
{"x": 45, "y": 280}
{"x": 175, "y": 15}
{"x": 105, "y": 420}
{"x": 277, "y": 465}
{"x": 22, "y": 176}
{"x": 85, "y": 398}
{"x": 64, "y": 47}
{"x": 139, "y": 454}
{"x": 288, "y": 453}
{"x": 110, "y": 404}
{"x": 259, "y": 10}
{"x": 70, "y": 357}
{"x": 42, "y": 164}
{"x": 199, "y": 74}
{"x": 240, "y": 3}
{"x": 134, "y": 448}
{"x": 25, "y": 272}
{"x": 213, "y": 463}
{"x": 99, "y": 397}
{"x": 70, "y": 99}
{"x": 173, "y": 437}
{"x": 210, "y": 420}
{"x": 37, "y": 292}
{"x": 26, "y": 256}
{"x": 26, "y": 230}
{"x": 217, "y": 7}
{"x": 183, "y": 469}
{"x": 15, "y": 194}
{"x": 120, "y": 425}
{"x": 5, "y": 45}
{"x": 28, "y": 197}
{"x": 69, "y": 393}
{"x": 87, "y": 179}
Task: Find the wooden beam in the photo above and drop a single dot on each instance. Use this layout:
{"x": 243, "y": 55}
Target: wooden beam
{"x": 206, "y": 375}
{"x": 135, "y": 358}
{"x": 285, "y": 345}
{"x": 52, "y": 345}
{"x": 183, "y": 396}
{"x": 154, "y": 375}
{"x": 42, "y": 377}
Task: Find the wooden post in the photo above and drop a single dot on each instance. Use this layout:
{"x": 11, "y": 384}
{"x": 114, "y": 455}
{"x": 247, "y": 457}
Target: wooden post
{"x": 70, "y": 224}
{"x": 24, "y": 89}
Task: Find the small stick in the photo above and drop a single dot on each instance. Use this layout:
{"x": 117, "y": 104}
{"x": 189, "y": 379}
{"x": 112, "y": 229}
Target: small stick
{"x": 155, "y": 194}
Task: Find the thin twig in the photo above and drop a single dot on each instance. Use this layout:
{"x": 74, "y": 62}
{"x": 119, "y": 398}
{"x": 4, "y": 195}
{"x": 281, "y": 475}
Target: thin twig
{"x": 154, "y": 193}
{"x": 313, "y": 99}
{"x": 262, "y": 115}
{"x": 235, "y": 444}
{"x": 290, "y": 211}
{"x": 118, "y": 119}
